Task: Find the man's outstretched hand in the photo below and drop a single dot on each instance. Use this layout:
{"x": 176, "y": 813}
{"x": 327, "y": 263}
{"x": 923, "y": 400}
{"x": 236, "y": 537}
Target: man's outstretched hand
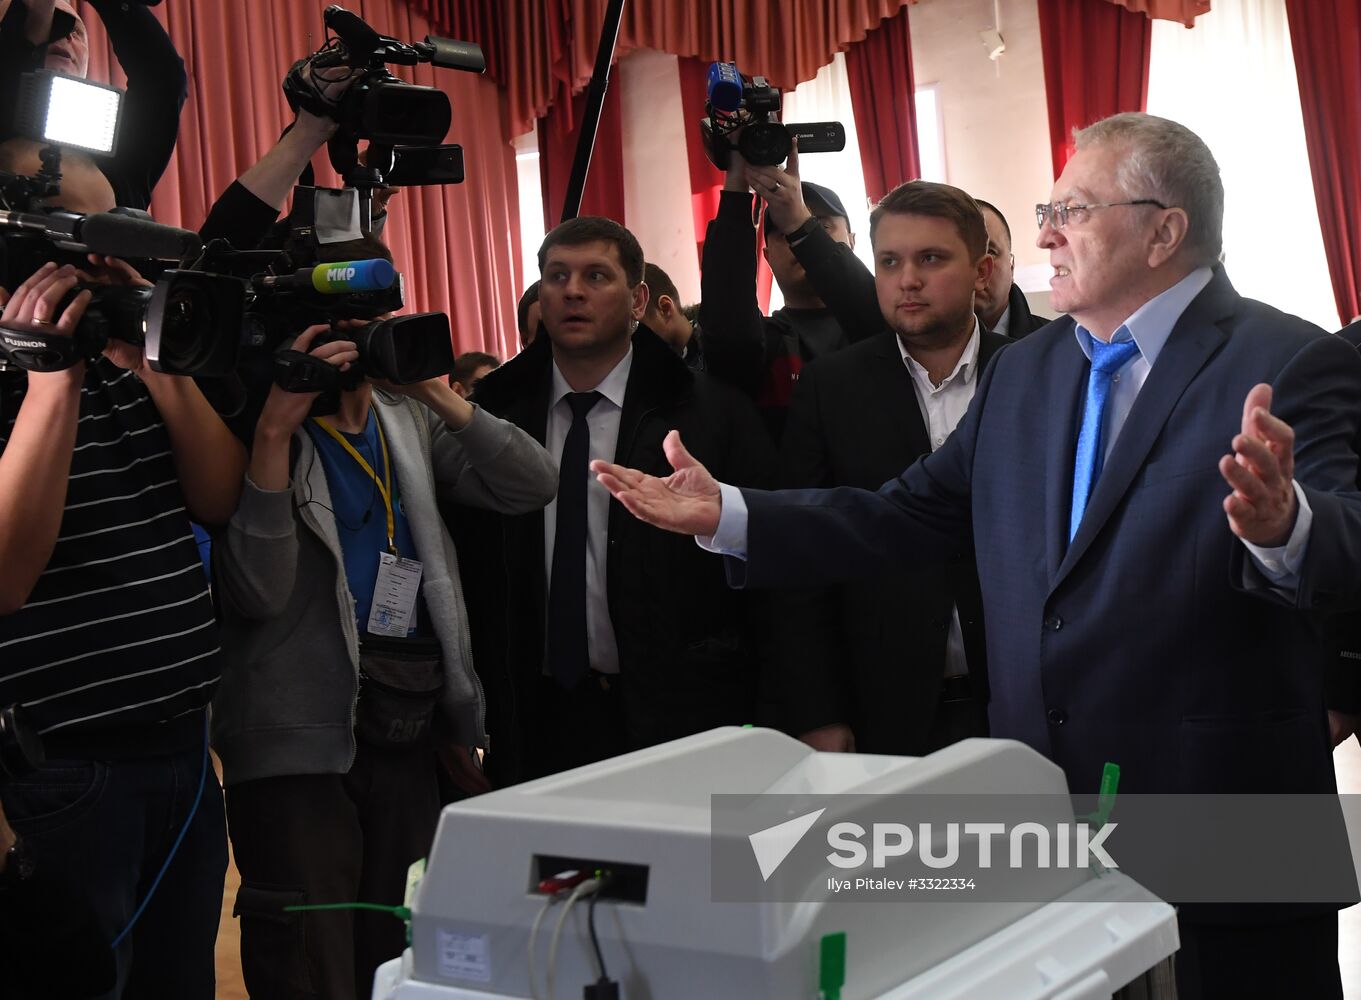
{"x": 686, "y": 502}
{"x": 1262, "y": 507}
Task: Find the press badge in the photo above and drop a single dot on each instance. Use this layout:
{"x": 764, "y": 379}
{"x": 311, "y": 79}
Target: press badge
{"x": 393, "y": 609}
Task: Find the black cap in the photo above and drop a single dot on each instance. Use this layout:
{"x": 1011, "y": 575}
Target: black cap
{"x": 823, "y": 200}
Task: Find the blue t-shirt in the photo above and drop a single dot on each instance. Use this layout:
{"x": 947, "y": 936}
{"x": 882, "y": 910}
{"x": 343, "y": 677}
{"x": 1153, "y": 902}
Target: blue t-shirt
{"x": 361, "y": 517}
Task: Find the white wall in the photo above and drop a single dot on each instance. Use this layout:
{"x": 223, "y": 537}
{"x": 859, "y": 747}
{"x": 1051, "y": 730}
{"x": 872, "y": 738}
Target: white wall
{"x": 656, "y": 169}
{"x": 995, "y": 117}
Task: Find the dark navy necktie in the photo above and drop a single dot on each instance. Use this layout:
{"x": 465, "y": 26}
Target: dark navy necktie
{"x": 1107, "y": 359}
{"x": 568, "y": 654}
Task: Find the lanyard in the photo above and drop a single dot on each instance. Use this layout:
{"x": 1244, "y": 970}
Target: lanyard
{"x": 384, "y": 485}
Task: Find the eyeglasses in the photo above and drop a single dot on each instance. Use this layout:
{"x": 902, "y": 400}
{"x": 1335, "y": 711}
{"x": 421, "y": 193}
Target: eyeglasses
{"x": 1057, "y": 215}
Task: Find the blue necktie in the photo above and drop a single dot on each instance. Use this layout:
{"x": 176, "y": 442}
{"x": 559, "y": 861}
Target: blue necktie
{"x": 1107, "y": 359}
{"x": 568, "y": 654}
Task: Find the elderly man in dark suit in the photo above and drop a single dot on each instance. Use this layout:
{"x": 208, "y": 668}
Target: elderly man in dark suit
{"x": 1134, "y": 612}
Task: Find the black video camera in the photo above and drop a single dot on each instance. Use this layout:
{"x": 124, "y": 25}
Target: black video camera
{"x": 64, "y": 111}
{"x": 400, "y": 349}
{"x": 403, "y": 122}
{"x": 736, "y": 102}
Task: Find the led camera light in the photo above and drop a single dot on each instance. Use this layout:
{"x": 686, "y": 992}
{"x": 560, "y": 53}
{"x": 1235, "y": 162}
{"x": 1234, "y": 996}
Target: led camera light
{"x": 69, "y": 111}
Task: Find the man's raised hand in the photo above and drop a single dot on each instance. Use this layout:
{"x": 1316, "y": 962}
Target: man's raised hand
{"x": 1262, "y": 507}
{"x": 686, "y": 502}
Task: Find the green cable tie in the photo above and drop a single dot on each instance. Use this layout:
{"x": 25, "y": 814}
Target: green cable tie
{"x": 832, "y": 966}
{"x": 401, "y": 912}
{"x": 1105, "y": 803}
{"x": 1110, "y": 783}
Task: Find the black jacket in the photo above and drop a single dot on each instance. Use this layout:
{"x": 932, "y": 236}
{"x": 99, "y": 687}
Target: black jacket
{"x": 1343, "y": 686}
{"x": 763, "y": 355}
{"x": 870, "y": 655}
{"x": 685, "y": 640}
{"x": 1023, "y": 322}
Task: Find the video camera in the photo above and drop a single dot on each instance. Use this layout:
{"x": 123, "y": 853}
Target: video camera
{"x": 736, "y": 102}
{"x": 201, "y": 318}
{"x": 400, "y": 120}
{"x": 66, "y": 111}
{"x": 285, "y": 298}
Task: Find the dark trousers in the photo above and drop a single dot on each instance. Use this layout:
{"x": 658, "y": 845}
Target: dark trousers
{"x": 578, "y": 726}
{"x": 1295, "y": 958}
{"x": 99, "y": 831}
{"x": 328, "y": 838}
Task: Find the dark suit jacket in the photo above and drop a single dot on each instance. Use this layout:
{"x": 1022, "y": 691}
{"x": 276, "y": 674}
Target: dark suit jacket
{"x": 1023, "y": 321}
{"x": 870, "y": 655}
{"x": 1151, "y": 640}
{"x": 686, "y": 642}
{"x": 1344, "y": 679}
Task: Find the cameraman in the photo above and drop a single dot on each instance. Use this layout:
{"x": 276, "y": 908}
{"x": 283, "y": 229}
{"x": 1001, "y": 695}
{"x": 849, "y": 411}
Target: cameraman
{"x": 107, "y": 636}
{"x": 49, "y": 34}
{"x": 328, "y": 731}
{"x": 830, "y": 299}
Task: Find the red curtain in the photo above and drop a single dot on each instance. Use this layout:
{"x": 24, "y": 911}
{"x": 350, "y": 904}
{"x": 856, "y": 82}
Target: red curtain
{"x": 458, "y": 245}
{"x": 1095, "y": 65}
{"x": 706, "y": 180}
{"x": 883, "y": 98}
{"x": 1326, "y": 38}
{"x": 532, "y": 44}
{"x": 558, "y": 130}
{"x": 1184, "y": 11}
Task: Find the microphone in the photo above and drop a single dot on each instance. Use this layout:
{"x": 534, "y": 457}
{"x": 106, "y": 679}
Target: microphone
{"x": 449, "y": 53}
{"x": 333, "y": 279}
{"x": 113, "y": 235}
{"x": 725, "y": 86}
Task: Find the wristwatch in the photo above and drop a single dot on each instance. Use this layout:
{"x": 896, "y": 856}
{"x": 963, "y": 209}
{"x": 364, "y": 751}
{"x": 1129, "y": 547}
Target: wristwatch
{"x": 803, "y": 231}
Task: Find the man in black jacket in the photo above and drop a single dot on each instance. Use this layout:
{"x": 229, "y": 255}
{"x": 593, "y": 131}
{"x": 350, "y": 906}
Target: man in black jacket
{"x": 897, "y": 665}
{"x": 1001, "y": 305}
{"x": 829, "y": 293}
{"x": 619, "y": 635}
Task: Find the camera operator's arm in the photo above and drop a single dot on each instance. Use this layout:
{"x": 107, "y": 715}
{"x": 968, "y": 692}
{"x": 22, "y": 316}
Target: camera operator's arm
{"x": 32, "y": 20}
{"x": 256, "y": 563}
{"x": 208, "y": 457}
{"x": 478, "y": 459}
{"x": 23, "y": 37}
{"x": 157, "y": 89}
{"x": 734, "y": 330}
{"x": 251, "y": 204}
{"x": 36, "y": 459}
{"x": 840, "y": 278}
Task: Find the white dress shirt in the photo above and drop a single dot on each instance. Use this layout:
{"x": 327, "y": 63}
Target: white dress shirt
{"x": 1003, "y": 326}
{"x": 603, "y": 421}
{"x": 943, "y": 407}
{"x": 1149, "y": 326}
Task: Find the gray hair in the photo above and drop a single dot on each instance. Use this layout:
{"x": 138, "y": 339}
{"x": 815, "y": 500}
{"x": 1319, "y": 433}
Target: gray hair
{"x": 1168, "y": 162}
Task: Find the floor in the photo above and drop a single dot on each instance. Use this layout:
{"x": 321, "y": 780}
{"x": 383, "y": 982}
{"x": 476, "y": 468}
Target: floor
{"x": 1348, "y": 759}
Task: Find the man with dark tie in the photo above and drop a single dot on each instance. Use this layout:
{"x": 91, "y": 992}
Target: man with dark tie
{"x": 1143, "y": 591}
{"x": 619, "y": 635}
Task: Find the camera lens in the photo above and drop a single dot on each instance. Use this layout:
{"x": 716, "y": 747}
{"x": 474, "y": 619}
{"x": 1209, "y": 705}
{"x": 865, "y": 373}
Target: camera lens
{"x": 186, "y": 330}
{"x": 765, "y": 144}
